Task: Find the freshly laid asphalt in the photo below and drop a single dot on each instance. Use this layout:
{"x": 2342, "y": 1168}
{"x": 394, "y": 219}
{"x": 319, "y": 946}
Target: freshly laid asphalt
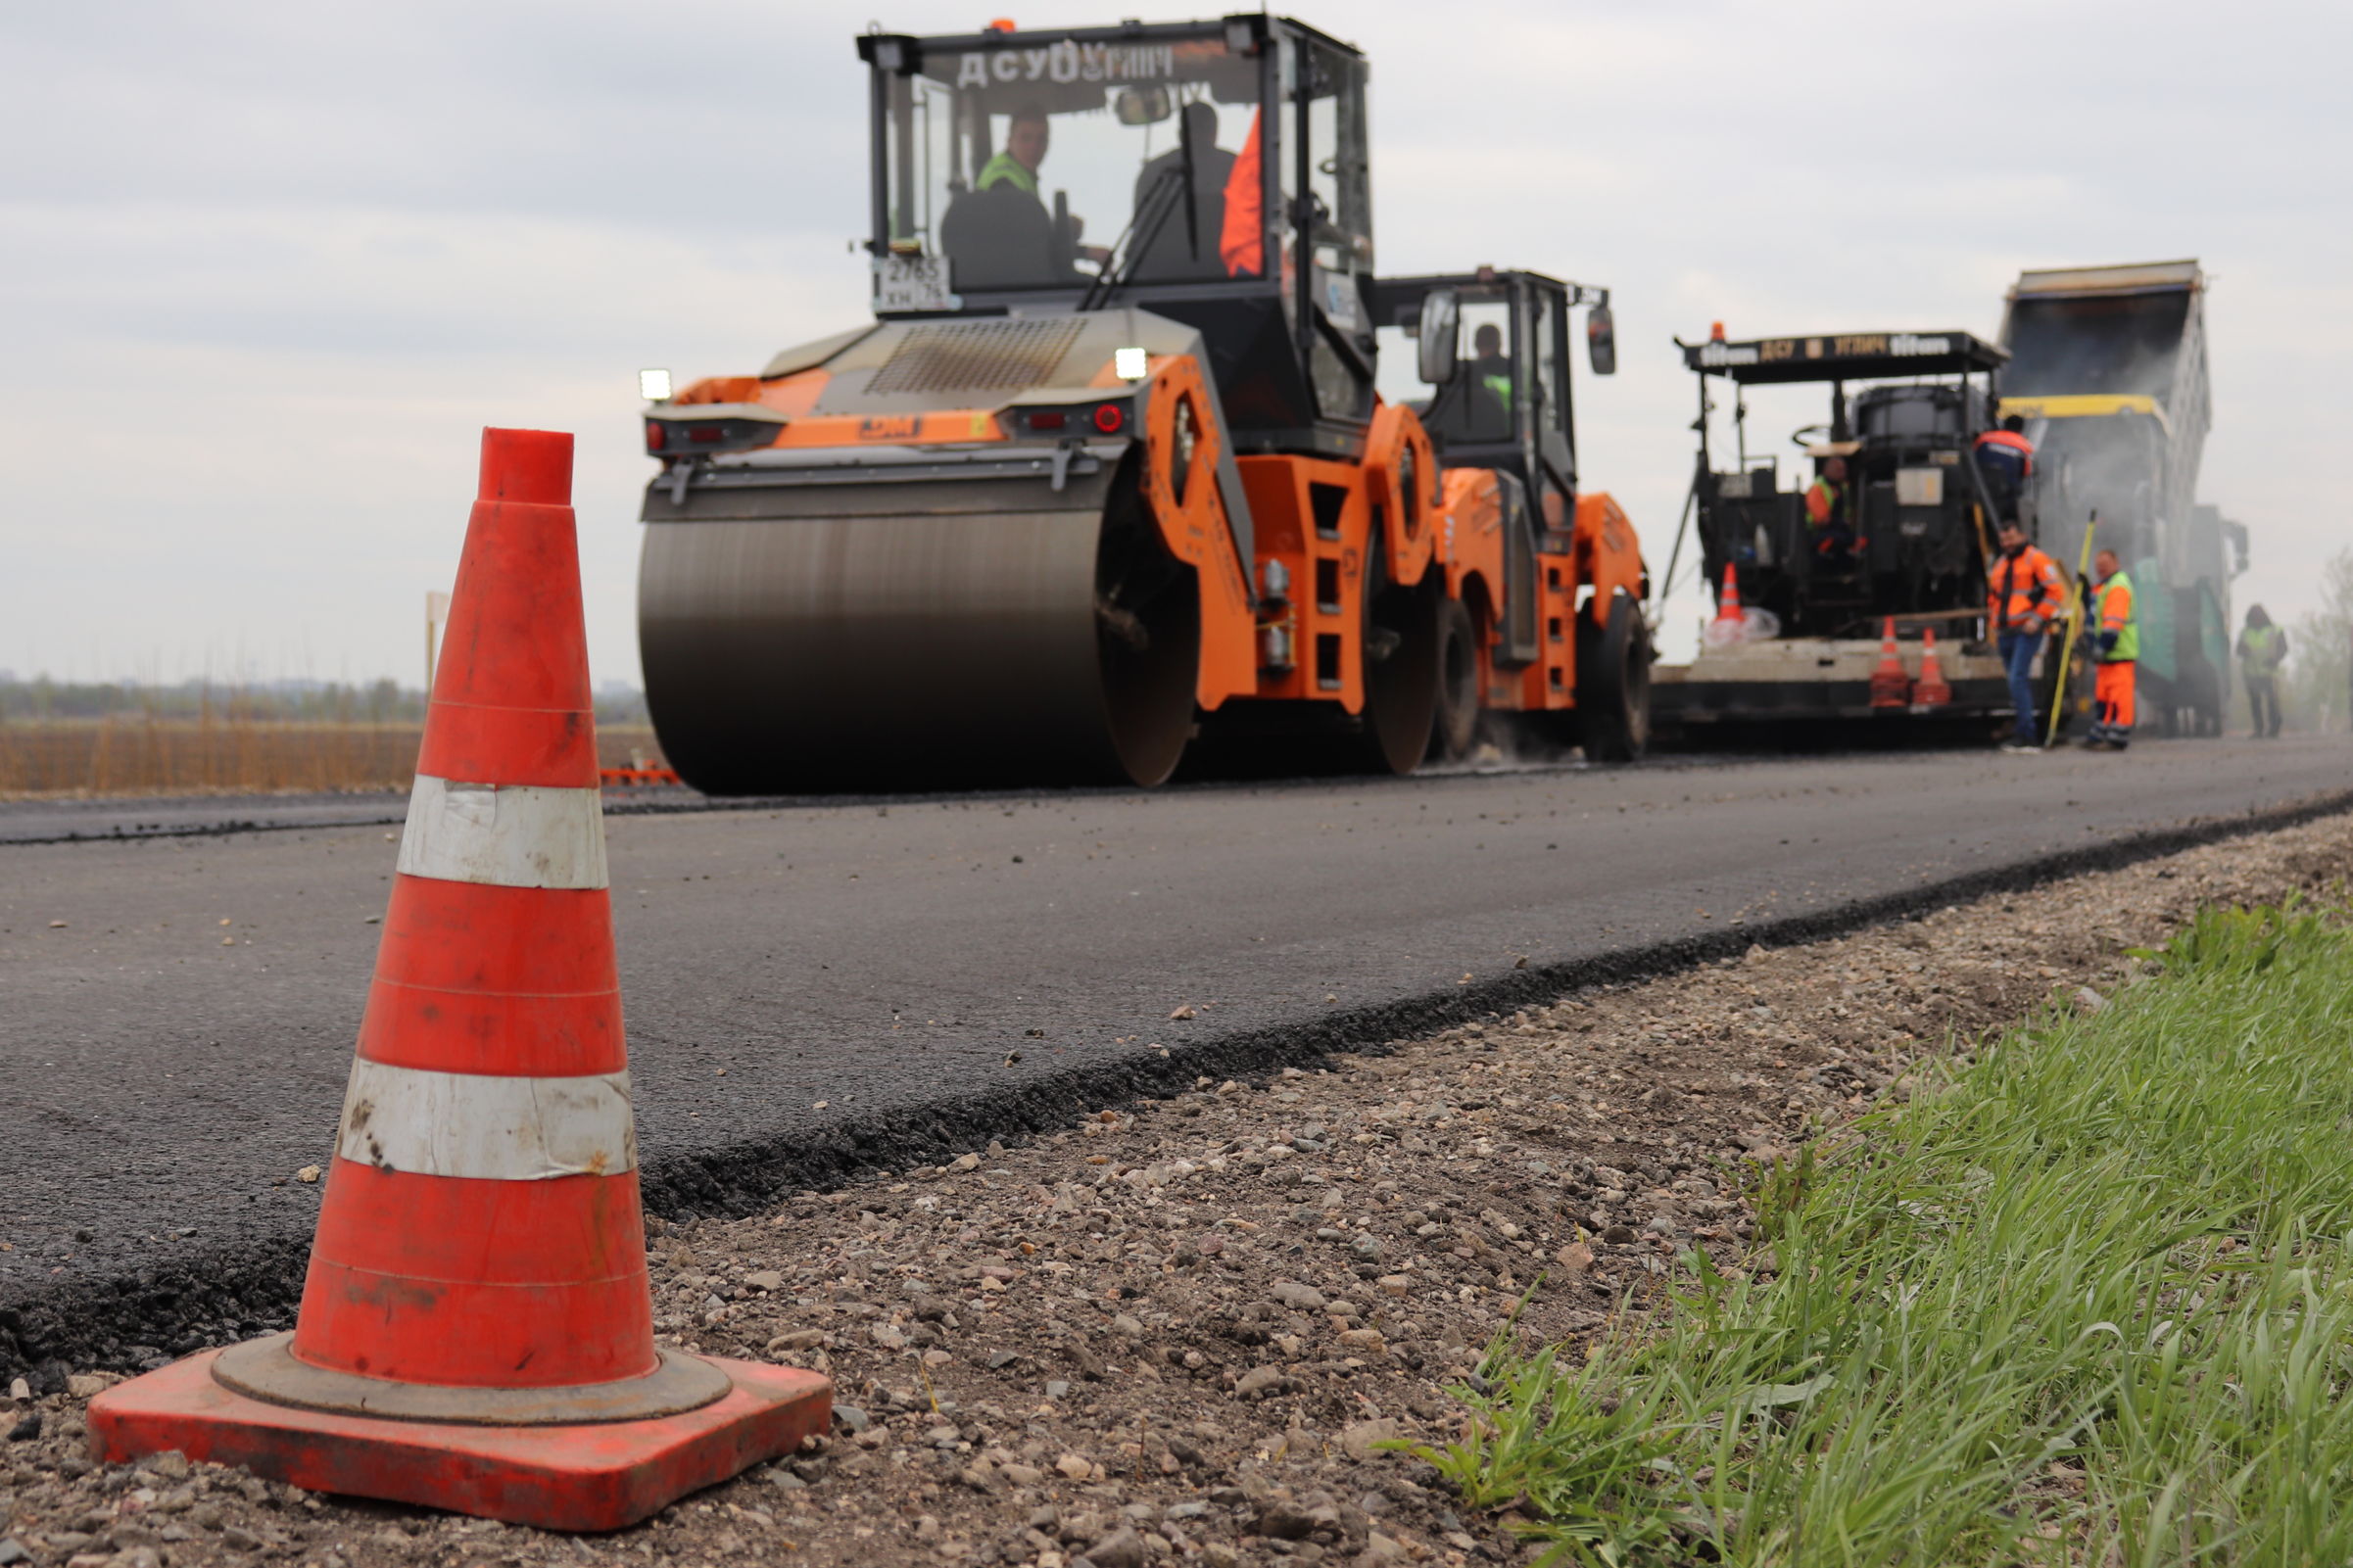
{"x": 110, "y": 818}
{"x": 816, "y": 990}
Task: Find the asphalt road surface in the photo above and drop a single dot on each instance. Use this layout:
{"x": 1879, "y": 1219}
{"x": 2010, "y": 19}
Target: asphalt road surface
{"x": 813, "y": 988}
{"x": 41, "y": 821}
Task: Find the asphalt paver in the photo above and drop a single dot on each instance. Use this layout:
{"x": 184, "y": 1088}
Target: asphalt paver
{"x": 816, "y": 990}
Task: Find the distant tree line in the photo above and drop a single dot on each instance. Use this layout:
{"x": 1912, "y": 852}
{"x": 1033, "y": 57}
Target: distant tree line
{"x": 384, "y": 701}
{"x": 2318, "y": 684}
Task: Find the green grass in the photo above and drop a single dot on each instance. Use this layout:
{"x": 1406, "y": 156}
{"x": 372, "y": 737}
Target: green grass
{"x": 2085, "y": 1299}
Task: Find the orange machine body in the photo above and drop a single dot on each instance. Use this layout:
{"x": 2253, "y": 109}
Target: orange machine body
{"x": 1069, "y": 512}
{"x": 1320, "y": 524}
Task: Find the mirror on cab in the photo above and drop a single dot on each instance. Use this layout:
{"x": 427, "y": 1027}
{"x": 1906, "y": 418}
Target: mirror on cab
{"x": 1141, "y": 106}
{"x": 1601, "y": 340}
{"x": 1441, "y": 325}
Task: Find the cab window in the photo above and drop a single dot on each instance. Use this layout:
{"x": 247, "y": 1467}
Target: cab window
{"x": 1326, "y": 85}
{"x": 1020, "y": 165}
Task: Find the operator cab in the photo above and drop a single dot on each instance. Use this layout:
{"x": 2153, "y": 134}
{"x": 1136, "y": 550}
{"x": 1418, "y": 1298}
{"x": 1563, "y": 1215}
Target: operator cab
{"x": 1483, "y": 357}
{"x": 1497, "y": 394}
{"x": 1212, "y": 172}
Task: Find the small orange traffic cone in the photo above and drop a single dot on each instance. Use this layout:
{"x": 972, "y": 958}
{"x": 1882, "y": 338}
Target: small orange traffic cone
{"x": 1727, "y": 604}
{"x": 1891, "y": 688}
{"x": 476, "y": 1330}
{"x": 1931, "y": 690}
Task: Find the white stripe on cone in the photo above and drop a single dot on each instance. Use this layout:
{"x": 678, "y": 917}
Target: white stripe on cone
{"x": 490, "y": 1128}
{"x": 504, "y": 836}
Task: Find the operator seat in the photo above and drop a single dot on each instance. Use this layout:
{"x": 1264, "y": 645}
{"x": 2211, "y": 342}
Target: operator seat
{"x": 999, "y": 239}
{"x": 1468, "y": 411}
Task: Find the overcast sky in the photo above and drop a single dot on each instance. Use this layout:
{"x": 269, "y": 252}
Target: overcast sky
{"x": 267, "y": 268}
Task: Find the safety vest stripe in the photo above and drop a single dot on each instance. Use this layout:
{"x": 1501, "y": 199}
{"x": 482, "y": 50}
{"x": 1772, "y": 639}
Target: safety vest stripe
{"x": 487, "y": 1129}
{"x": 505, "y": 836}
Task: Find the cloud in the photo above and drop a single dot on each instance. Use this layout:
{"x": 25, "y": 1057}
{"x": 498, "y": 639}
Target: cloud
{"x": 269, "y": 267}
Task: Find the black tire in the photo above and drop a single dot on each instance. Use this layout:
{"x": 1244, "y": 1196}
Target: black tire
{"x": 1455, "y": 725}
{"x": 1613, "y": 685}
{"x": 1392, "y": 734}
{"x": 1401, "y": 668}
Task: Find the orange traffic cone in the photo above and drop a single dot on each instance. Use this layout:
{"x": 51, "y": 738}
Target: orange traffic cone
{"x": 1727, "y": 604}
{"x": 476, "y": 1331}
{"x": 1931, "y": 690}
{"x": 1891, "y": 688}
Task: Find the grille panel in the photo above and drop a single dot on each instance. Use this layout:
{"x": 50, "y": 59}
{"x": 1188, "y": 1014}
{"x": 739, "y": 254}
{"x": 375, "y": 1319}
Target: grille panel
{"x": 976, "y": 356}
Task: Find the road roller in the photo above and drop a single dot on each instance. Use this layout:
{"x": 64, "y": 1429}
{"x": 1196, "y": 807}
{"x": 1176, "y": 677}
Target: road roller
{"x": 1111, "y": 485}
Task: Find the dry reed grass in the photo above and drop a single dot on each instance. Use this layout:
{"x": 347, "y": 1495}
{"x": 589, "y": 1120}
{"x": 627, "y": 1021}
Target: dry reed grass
{"x": 139, "y": 754}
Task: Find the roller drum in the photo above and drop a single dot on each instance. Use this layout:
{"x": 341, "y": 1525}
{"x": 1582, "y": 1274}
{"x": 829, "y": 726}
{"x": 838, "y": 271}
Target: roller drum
{"x": 951, "y": 646}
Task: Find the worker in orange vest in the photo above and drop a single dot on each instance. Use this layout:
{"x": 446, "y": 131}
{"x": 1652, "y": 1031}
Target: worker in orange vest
{"x": 2024, "y": 594}
{"x": 2006, "y": 459}
{"x": 2116, "y": 650}
{"x": 1827, "y": 514}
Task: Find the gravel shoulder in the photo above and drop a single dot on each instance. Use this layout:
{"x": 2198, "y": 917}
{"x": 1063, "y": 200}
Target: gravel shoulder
{"x": 1190, "y": 1329}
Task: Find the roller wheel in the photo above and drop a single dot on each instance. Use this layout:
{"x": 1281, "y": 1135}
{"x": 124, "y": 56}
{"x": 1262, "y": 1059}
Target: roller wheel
{"x": 1613, "y": 685}
{"x": 1315, "y": 739}
{"x": 1458, "y": 707}
{"x": 1147, "y": 643}
{"x": 929, "y": 635}
{"x": 1401, "y": 668}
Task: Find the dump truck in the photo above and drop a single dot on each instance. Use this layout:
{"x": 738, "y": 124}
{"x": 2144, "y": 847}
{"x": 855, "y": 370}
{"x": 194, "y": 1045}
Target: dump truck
{"x": 2108, "y": 370}
{"x": 1069, "y": 511}
{"x": 1801, "y": 619}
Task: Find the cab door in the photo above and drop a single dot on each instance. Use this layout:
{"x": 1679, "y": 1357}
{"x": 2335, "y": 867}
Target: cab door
{"x": 1552, "y": 479}
{"x": 1329, "y": 189}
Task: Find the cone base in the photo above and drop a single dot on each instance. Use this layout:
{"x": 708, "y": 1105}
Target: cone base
{"x": 265, "y": 1370}
{"x": 602, "y": 1476}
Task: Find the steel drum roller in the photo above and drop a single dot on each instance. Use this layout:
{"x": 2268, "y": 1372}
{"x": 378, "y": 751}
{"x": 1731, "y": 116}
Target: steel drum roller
{"x": 931, "y": 650}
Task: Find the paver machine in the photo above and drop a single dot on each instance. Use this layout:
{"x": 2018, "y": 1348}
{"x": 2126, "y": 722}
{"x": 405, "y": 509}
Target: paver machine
{"x": 1107, "y": 481}
{"x": 1805, "y": 640}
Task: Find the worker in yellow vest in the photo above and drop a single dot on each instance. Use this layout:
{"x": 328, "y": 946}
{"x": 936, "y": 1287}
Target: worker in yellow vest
{"x": 1490, "y": 367}
{"x": 2262, "y": 649}
{"x": 1015, "y": 207}
{"x": 1829, "y": 515}
{"x": 2116, "y": 651}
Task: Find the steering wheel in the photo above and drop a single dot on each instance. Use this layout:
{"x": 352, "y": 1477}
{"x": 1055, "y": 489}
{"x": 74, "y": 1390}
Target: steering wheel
{"x": 1809, "y": 435}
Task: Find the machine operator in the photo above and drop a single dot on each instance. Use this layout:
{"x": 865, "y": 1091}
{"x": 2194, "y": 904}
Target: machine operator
{"x": 1827, "y": 514}
{"x": 1001, "y": 234}
{"x": 1172, "y": 254}
{"x": 2025, "y": 593}
{"x": 1488, "y": 365}
{"x": 2006, "y": 459}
